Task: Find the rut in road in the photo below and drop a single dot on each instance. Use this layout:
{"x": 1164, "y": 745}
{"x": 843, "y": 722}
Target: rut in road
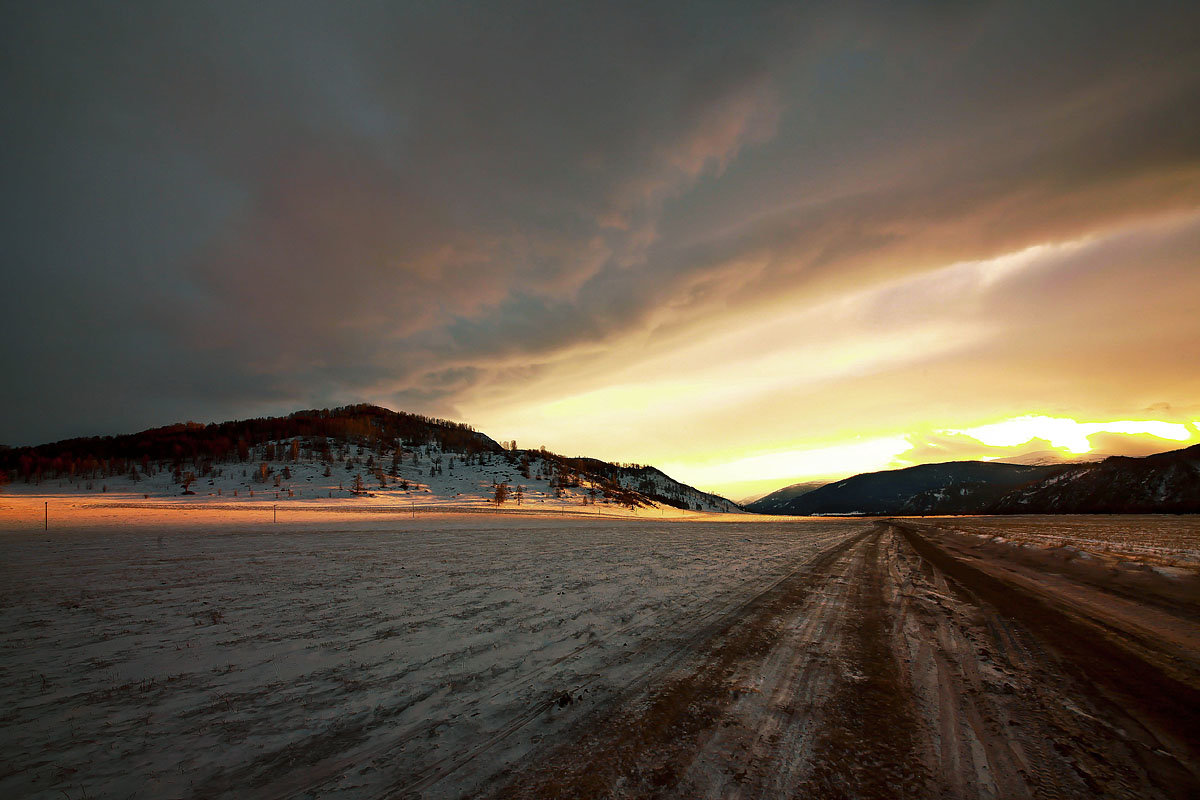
{"x": 868, "y": 745}
{"x": 1046, "y": 702}
{"x": 644, "y": 747}
{"x": 879, "y": 671}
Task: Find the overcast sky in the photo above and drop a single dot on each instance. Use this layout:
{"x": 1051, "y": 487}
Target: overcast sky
{"x": 709, "y": 236}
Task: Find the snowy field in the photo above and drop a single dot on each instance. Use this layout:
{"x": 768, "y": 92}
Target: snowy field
{"x": 361, "y": 658}
{"x": 1168, "y": 539}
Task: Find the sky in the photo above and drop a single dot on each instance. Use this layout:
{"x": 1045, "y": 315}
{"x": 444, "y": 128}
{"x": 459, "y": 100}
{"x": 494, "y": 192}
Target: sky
{"x": 750, "y": 243}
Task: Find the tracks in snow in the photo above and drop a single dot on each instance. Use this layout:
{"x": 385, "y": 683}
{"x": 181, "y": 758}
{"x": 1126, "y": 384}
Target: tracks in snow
{"x": 887, "y": 667}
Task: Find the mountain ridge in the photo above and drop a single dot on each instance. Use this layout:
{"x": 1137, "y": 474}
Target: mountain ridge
{"x": 1160, "y": 483}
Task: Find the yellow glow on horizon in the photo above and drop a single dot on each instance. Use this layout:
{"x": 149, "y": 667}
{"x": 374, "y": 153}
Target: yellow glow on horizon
{"x": 765, "y": 472}
{"x": 1064, "y": 432}
{"x": 832, "y": 461}
{"x": 913, "y": 366}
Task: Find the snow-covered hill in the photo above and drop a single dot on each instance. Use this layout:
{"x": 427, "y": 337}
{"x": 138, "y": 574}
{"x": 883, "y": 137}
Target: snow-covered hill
{"x": 434, "y": 463}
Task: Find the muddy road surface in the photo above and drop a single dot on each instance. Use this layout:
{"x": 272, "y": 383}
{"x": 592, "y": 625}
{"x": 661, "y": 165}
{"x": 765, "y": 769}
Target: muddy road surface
{"x": 903, "y": 661}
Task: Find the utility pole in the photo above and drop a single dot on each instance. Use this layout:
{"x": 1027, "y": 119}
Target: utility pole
{"x": 274, "y": 518}
{"x": 47, "y": 510}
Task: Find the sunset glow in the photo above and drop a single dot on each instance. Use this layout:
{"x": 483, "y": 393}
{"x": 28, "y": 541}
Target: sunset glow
{"x": 1010, "y": 439}
{"x": 821, "y": 388}
{"x": 1067, "y": 434}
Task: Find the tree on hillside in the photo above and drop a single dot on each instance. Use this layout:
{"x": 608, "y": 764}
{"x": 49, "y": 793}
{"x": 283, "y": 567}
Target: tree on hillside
{"x": 500, "y": 494}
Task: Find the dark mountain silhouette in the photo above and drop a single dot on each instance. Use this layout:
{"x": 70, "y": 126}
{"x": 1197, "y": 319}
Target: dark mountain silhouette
{"x": 887, "y": 492}
{"x": 1161, "y": 483}
{"x": 778, "y": 499}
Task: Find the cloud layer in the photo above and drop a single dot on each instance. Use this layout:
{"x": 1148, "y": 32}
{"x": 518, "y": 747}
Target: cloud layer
{"x": 832, "y": 220}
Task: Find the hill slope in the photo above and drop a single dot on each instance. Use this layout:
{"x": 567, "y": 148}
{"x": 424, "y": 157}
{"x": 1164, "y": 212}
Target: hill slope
{"x": 1162, "y": 483}
{"x": 353, "y": 451}
{"x": 888, "y": 492}
{"x": 1165, "y": 482}
{"x": 771, "y": 503}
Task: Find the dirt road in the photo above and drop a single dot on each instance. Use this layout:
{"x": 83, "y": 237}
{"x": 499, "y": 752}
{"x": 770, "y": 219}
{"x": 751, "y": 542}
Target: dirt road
{"x": 906, "y": 661}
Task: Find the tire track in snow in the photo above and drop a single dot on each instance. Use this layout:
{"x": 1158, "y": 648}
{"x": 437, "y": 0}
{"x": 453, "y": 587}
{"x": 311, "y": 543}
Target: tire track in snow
{"x": 644, "y": 746}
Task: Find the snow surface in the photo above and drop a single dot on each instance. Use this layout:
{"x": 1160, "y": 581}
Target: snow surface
{"x": 371, "y": 655}
{"x": 425, "y": 476}
{"x": 1157, "y": 538}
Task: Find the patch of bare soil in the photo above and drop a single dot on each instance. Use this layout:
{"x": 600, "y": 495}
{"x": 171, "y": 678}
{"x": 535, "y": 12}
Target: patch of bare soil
{"x": 904, "y": 663}
{"x": 869, "y": 741}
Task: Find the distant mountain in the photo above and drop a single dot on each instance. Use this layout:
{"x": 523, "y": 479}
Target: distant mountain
{"x": 1161, "y": 483}
{"x": 1043, "y": 458}
{"x": 772, "y": 502}
{"x": 334, "y": 453}
{"x": 888, "y": 492}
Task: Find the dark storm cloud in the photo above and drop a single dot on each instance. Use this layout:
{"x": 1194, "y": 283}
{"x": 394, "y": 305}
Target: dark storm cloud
{"x": 216, "y": 210}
